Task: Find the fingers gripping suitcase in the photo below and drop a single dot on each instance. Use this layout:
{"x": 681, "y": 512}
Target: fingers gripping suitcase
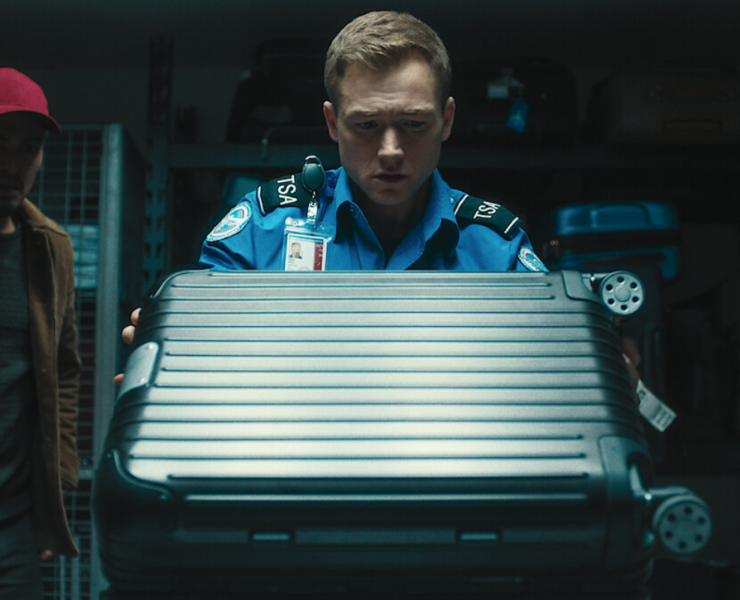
{"x": 336, "y": 432}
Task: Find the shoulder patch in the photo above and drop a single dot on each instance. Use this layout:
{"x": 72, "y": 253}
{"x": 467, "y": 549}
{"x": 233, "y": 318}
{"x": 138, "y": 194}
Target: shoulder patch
{"x": 282, "y": 192}
{"x": 236, "y": 219}
{"x": 530, "y": 260}
{"x": 470, "y": 209}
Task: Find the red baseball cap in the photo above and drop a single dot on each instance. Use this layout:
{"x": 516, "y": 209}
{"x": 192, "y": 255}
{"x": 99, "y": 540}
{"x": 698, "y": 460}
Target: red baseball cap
{"x": 19, "y": 93}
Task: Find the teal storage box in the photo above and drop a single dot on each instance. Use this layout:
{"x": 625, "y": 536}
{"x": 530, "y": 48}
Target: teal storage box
{"x": 593, "y": 236}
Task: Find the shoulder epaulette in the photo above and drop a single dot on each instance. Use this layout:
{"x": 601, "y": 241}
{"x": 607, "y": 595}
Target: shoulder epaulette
{"x": 470, "y": 209}
{"x": 282, "y": 192}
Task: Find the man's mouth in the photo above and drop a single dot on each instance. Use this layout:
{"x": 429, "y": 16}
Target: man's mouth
{"x": 390, "y": 177}
{"x": 9, "y": 186}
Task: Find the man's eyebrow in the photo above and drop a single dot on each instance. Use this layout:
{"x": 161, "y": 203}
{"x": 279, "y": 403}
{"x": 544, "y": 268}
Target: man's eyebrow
{"x": 412, "y": 112}
{"x": 362, "y": 113}
{"x": 406, "y": 112}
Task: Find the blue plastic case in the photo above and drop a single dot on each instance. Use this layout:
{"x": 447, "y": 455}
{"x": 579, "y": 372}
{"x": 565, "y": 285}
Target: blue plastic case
{"x": 586, "y": 236}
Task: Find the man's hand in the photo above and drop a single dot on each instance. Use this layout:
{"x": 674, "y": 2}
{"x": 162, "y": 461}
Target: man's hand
{"x": 632, "y": 358}
{"x": 128, "y": 337}
{"x": 128, "y": 332}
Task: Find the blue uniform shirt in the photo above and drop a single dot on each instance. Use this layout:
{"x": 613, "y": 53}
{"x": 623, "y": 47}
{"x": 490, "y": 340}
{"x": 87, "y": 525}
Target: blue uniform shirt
{"x": 248, "y": 239}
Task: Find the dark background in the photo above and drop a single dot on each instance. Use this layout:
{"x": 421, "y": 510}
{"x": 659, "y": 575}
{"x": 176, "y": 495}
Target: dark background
{"x": 92, "y": 58}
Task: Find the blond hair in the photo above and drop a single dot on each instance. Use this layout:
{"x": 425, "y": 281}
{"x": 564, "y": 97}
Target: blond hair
{"x": 380, "y": 39}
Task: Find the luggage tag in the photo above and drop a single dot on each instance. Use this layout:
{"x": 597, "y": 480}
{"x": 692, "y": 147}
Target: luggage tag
{"x": 653, "y": 409}
{"x": 306, "y": 242}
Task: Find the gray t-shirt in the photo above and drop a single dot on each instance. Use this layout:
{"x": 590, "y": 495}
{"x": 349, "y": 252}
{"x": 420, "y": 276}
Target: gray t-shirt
{"x": 16, "y": 379}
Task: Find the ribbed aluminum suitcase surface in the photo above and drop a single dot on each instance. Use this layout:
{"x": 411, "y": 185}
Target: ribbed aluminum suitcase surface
{"x": 309, "y": 431}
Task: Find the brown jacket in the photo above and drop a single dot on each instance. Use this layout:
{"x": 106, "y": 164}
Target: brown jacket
{"x": 51, "y": 307}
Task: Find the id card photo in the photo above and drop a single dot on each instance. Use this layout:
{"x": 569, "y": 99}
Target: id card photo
{"x": 305, "y": 253}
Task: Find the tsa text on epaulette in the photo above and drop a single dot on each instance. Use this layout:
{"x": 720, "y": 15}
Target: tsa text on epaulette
{"x": 281, "y": 193}
{"x": 286, "y": 187}
{"x": 490, "y": 214}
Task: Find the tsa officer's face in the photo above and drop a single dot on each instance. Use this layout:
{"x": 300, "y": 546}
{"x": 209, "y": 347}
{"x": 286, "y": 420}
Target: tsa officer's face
{"x": 390, "y": 127}
{"x": 21, "y": 153}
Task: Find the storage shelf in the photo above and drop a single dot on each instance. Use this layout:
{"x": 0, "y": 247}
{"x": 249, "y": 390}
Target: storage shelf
{"x": 290, "y": 157}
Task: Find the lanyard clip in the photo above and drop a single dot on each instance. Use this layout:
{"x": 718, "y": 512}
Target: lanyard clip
{"x": 313, "y": 179}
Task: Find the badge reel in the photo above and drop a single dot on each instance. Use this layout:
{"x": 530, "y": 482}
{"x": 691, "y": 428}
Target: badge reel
{"x": 306, "y": 241}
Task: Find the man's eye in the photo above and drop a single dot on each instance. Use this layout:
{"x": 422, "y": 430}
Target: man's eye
{"x": 415, "y": 124}
{"x": 366, "y": 124}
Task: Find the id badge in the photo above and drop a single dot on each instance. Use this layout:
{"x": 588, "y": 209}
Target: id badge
{"x": 305, "y": 247}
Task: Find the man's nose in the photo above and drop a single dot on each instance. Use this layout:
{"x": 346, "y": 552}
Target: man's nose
{"x": 390, "y": 144}
{"x": 8, "y": 161}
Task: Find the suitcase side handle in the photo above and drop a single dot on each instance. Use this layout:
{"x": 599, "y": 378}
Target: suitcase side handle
{"x": 139, "y": 368}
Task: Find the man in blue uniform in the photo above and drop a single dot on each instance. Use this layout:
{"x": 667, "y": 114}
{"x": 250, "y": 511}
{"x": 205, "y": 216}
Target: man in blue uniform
{"x": 387, "y": 75}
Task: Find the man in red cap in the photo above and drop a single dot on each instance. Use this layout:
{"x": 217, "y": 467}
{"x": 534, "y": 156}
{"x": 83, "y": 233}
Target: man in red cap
{"x": 39, "y": 364}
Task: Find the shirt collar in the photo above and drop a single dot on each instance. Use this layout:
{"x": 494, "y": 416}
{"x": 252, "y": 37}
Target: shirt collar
{"x": 342, "y": 188}
{"x": 439, "y": 216}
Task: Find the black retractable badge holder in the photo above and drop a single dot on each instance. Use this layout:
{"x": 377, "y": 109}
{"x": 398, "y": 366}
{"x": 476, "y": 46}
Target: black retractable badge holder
{"x": 306, "y": 241}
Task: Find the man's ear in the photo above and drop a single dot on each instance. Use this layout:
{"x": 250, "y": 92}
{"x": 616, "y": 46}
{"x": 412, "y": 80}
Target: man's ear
{"x": 331, "y": 120}
{"x": 449, "y": 117}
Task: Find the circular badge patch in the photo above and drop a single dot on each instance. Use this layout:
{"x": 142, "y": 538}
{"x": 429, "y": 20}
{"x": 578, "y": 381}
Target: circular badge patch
{"x": 531, "y": 261}
{"x": 232, "y": 223}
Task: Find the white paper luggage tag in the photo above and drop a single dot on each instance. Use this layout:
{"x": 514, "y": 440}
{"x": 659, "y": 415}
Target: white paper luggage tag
{"x": 653, "y": 409}
{"x": 306, "y": 242}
